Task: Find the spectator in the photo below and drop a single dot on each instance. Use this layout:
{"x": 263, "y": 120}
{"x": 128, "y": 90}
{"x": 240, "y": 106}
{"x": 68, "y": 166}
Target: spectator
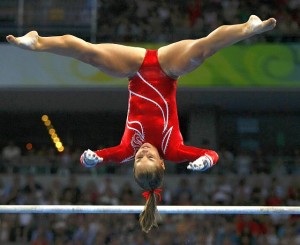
{"x": 85, "y": 233}
{"x": 65, "y": 162}
{"x": 32, "y": 190}
{"x": 223, "y": 194}
{"x": 11, "y": 155}
{"x": 14, "y": 191}
{"x": 243, "y": 163}
{"x": 126, "y": 195}
{"x": 41, "y": 236}
{"x": 242, "y": 193}
{"x": 226, "y": 160}
{"x": 108, "y": 193}
{"x": 11, "y": 152}
{"x": 71, "y": 193}
{"x": 183, "y": 192}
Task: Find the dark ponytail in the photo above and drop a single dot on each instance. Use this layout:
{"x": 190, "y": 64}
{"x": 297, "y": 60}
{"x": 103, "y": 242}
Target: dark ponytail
{"x": 150, "y": 179}
{"x": 148, "y": 218}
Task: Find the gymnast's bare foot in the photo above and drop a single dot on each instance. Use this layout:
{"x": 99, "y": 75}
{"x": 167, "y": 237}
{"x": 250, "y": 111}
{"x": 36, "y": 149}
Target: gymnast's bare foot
{"x": 28, "y": 41}
{"x": 256, "y": 26}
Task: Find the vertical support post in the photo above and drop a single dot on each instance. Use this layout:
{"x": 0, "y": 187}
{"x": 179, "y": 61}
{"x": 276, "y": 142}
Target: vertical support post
{"x": 94, "y": 20}
{"x": 20, "y": 19}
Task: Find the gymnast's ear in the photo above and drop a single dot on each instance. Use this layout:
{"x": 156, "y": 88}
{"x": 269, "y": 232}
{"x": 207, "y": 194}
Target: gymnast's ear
{"x": 162, "y": 163}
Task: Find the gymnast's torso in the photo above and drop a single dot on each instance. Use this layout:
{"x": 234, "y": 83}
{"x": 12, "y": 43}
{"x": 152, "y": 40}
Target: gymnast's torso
{"x": 152, "y": 111}
{"x": 152, "y": 117}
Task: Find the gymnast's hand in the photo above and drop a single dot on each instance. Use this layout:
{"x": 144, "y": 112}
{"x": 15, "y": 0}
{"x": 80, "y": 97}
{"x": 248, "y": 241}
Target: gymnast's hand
{"x": 90, "y": 159}
{"x": 201, "y": 164}
{"x": 28, "y": 41}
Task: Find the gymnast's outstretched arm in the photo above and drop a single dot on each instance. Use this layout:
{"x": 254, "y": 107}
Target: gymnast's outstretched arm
{"x": 113, "y": 59}
{"x": 184, "y": 56}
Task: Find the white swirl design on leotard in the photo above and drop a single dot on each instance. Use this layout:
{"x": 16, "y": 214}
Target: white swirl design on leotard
{"x": 139, "y": 135}
{"x": 166, "y": 138}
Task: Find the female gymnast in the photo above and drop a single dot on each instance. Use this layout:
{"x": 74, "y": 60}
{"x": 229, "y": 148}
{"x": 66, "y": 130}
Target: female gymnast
{"x": 152, "y": 131}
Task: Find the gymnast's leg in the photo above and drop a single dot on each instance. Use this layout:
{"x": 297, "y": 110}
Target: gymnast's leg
{"x": 184, "y": 56}
{"x": 113, "y": 59}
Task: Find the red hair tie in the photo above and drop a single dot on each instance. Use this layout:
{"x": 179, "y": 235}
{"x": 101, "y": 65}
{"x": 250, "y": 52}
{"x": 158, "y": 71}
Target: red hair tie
{"x": 146, "y": 194}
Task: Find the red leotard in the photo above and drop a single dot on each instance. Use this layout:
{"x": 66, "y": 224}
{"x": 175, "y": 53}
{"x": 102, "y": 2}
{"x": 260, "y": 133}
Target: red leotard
{"x": 152, "y": 118}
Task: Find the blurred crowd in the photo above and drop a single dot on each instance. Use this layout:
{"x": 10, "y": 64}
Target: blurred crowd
{"x": 148, "y": 20}
{"x": 173, "y": 229}
{"x": 169, "y": 21}
{"x": 14, "y": 159}
{"x": 242, "y": 179}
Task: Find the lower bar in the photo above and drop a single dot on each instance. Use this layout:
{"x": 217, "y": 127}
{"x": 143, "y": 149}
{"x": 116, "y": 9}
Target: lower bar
{"x": 89, "y": 209}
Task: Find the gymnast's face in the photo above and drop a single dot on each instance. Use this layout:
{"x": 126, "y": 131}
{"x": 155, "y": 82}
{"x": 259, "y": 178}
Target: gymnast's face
{"x": 148, "y": 155}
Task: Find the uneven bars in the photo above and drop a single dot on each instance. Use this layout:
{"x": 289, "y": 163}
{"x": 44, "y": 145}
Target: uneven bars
{"x": 105, "y": 209}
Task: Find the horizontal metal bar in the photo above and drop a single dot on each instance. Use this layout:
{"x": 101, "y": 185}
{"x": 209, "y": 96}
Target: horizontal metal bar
{"x": 105, "y": 209}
